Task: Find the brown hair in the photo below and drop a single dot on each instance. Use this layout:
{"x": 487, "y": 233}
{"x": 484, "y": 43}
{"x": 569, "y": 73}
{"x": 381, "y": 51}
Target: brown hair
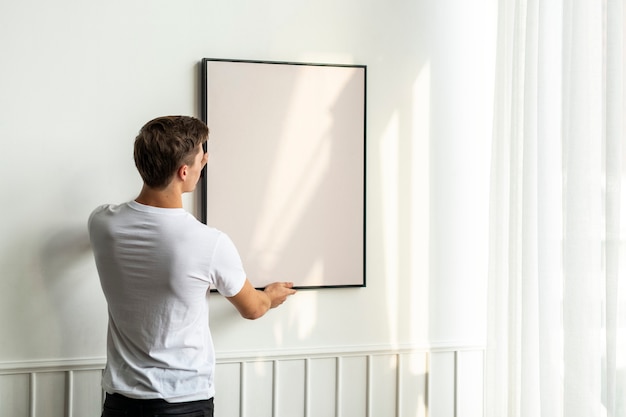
{"x": 165, "y": 144}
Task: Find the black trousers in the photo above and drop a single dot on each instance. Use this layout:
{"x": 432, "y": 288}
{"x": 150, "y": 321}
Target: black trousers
{"x": 116, "y": 405}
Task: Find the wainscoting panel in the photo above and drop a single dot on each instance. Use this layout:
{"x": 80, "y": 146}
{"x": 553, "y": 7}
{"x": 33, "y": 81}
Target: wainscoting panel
{"x": 86, "y": 393}
{"x": 442, "y": 385}
{"x": 353, "y": 385}
{"x": 413, "y": 384}
{"x": 290, "y": 388}
{"x": 50, "y": 393}
{"x": 470, "y": 399}
{"x": 15, "y": 395}
{"x": 257, "y": 389}
{"x": 382, "y": 385}
{"x": 444, "y": 381}
{"x": 322, "y": 387}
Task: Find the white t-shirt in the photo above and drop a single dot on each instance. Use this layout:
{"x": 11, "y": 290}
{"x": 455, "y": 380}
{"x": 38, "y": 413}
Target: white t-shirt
{"x": 156, "y": 266}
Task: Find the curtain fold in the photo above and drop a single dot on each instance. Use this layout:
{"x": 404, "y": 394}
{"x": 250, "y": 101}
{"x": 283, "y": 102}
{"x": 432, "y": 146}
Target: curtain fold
{"x": 556, "y": 335}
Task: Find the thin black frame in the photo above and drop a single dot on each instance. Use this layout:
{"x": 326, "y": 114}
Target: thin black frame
{"x": 203, "y": 214}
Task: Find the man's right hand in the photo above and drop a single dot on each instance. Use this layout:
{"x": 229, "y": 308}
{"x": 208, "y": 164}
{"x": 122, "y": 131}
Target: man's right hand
{"x": 278, "y": 292}
{"x": 253, "y": 304}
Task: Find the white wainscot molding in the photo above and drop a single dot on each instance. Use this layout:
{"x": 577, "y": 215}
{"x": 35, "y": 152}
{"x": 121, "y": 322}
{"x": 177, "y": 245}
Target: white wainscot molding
{"x": 444, "y": 380}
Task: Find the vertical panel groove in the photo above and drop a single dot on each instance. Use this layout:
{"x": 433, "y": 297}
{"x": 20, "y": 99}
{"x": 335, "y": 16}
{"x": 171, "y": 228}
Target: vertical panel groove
{"x": 429, "y": 366}
{"x": 274, "y": 387}
{"x": 399, "y": 398}
{"x": 338, "y": 381}
{"x": 307, "y": 386}
{"x": 368, "y": 387}
{"x": 242, "y": 389}
{"x": 33, "y": 394}
{"x": 456, "y": 382}
{"x": 69, "y": 394}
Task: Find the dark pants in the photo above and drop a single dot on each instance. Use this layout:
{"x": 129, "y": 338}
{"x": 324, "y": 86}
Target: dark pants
{"x": 116, "y": 405}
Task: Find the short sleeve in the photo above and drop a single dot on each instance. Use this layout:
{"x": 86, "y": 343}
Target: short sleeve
{"x": 227, "y": 268}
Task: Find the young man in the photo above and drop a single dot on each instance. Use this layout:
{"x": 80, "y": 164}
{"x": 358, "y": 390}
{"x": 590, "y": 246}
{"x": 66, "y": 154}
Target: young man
{"x": 156, "y": 263}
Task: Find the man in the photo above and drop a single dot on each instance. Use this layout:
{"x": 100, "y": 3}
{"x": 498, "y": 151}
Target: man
{"x": 156, "y": 263}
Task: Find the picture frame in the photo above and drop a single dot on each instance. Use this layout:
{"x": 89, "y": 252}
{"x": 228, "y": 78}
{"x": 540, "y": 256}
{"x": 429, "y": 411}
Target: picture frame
{"x": 286, "y": 173}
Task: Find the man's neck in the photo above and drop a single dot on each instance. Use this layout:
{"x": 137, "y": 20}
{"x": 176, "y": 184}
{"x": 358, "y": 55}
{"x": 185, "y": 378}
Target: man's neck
{"x": 165, "y": 198}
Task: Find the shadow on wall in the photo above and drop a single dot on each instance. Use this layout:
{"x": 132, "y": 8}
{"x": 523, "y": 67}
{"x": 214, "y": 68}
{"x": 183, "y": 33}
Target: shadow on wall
{"x": 75, "y": 298}
{"x": 50, "y": 311}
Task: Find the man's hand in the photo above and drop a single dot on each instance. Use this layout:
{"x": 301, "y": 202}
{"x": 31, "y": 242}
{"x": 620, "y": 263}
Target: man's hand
{"x": 278, "y": 292}
{"x": 252, "y": 303}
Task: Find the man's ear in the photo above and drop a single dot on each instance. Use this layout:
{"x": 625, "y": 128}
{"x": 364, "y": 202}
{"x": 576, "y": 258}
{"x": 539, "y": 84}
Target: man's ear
{"x": 182, "y": 172}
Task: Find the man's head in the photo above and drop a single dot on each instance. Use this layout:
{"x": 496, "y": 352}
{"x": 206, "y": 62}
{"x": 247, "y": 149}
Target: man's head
{"x": 165, "y": 144}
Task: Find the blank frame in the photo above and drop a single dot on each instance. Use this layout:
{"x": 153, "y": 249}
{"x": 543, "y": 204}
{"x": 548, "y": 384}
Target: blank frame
{"x": 286, "y": 172}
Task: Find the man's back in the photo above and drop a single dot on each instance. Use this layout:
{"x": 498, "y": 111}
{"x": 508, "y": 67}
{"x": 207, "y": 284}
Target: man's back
{"x": 156, "y": 266}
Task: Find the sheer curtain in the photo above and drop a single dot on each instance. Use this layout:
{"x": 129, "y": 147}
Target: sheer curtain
{"x": 557, "y": 279}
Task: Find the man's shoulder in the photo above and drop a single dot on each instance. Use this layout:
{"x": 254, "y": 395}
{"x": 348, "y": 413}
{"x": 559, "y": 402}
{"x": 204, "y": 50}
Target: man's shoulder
{"x": 106, "y": 208}
{"x": 103, "y": 213}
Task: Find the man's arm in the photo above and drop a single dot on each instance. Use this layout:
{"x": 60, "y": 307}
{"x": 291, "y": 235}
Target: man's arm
{"x": 252, "y": 303}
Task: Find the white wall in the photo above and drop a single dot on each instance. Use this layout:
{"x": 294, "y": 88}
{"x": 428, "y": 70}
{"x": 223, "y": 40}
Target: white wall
{"x": 78, "y": 79}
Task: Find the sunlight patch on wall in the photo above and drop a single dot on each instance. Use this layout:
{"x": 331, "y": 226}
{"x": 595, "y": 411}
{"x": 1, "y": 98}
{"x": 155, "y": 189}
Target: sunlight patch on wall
{"x": 306, "y": 310}
{"x": 420, "y": 204}
{"x": 399, "y": 192}
{"x": 298, "y": 170}
{"x": 389, "y": 154}
{"x": 301, "y": 171}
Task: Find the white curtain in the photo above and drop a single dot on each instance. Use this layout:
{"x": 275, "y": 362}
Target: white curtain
{"x": 557, "y": 279}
